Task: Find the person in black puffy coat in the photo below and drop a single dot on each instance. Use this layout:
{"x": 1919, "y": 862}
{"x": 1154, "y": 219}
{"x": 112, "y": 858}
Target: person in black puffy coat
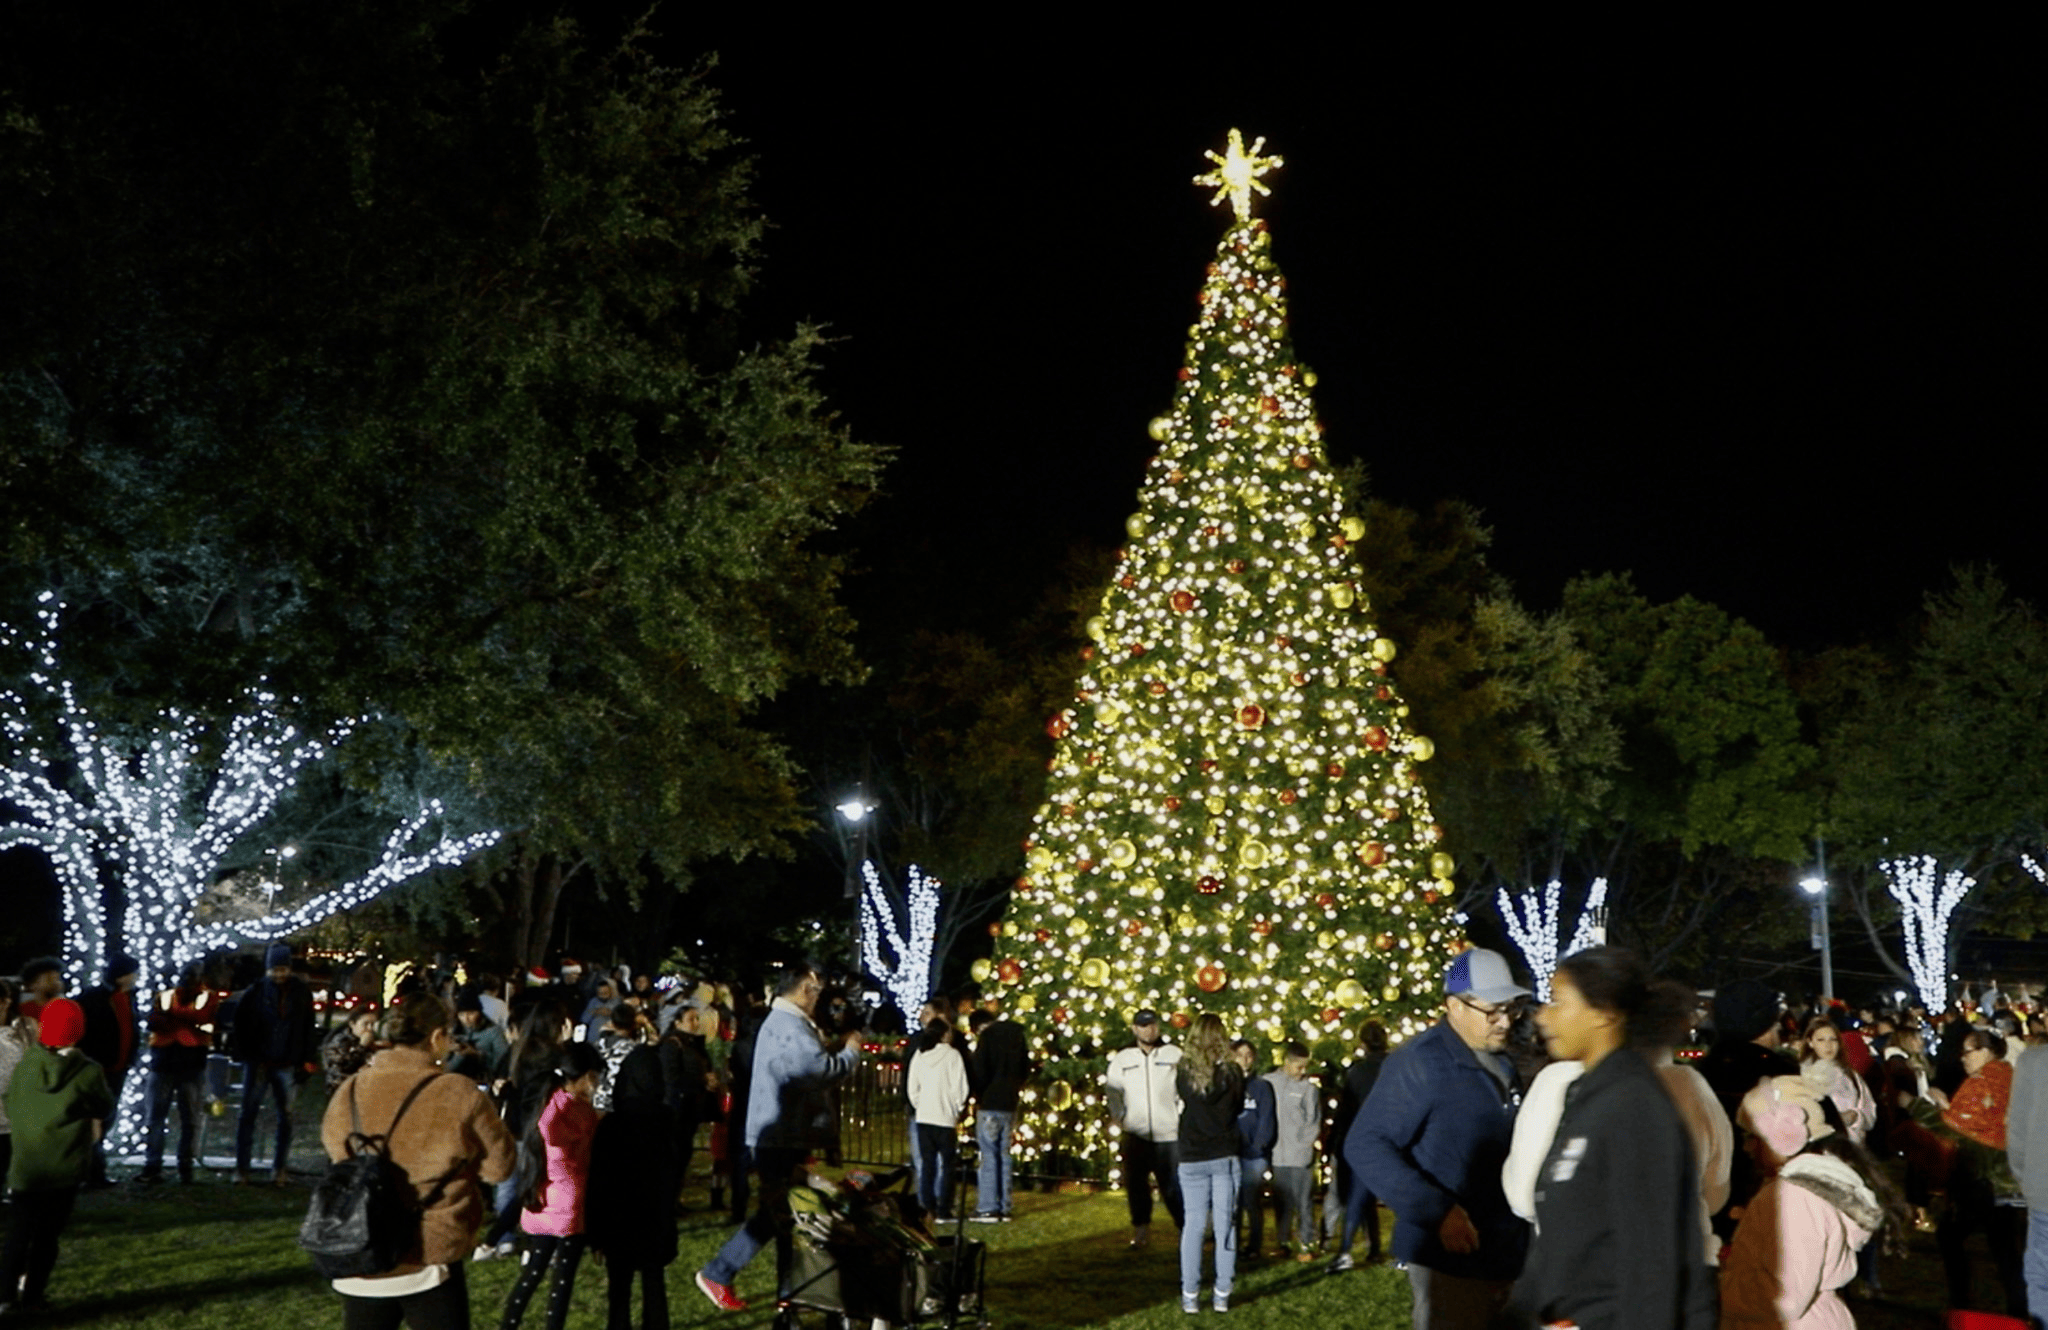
{"x": 630, "y": 1214}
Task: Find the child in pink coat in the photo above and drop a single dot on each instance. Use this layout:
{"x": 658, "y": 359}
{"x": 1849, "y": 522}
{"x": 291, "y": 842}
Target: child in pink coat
{"x": 1824, "y": 1199}
{"x": 554, "y": 1174}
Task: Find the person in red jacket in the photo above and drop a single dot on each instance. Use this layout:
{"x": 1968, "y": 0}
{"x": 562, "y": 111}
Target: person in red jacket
{"x": 180, "y": 1033}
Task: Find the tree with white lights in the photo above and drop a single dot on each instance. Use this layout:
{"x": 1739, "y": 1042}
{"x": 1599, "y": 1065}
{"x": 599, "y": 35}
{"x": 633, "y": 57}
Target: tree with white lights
{"x": 1534, "y": 925}
{"x": 910, "y": 928}
{"x": 148, "y": 813}
{"x": 1927, "y": 899}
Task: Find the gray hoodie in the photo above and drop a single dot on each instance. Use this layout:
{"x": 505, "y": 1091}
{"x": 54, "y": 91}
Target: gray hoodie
{"x": 1298, "y": 1109}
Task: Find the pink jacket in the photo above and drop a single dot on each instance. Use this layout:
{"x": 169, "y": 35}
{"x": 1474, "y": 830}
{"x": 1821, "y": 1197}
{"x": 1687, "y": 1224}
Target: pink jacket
{"x": 567, "y": 1125}
{"x": 1791, "y": 1252}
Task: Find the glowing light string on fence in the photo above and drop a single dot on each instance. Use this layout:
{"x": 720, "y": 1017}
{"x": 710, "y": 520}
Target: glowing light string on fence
{"x": 142, "y": 805}
{"x": 909, "y": 977}
{"x": 1533, "y": 925}
{"x": 1926, "y": 904}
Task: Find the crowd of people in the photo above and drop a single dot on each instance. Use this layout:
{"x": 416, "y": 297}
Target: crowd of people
{"x": 1552, "y": 1163}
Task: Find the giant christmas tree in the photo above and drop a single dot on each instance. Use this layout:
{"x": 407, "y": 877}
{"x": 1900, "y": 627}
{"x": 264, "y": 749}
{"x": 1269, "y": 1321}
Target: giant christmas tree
{"x": 1233, "y": 822}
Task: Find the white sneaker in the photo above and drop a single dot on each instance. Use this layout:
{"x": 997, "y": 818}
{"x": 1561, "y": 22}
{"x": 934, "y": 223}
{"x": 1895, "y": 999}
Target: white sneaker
{"x": 484, "y": 1252}
{"x": 1190, "y": 1303}
{"x": 1221, "y": 1302}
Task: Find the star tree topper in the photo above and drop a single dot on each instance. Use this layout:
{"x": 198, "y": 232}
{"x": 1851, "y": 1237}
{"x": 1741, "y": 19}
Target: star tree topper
{"x": 1237, "y": 174}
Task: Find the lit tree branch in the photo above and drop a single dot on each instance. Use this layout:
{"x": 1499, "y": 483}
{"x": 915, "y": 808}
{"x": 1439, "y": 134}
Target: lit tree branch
{"x": 909, "y": 979}
{"x": 1533, "y": 924}
{"x": 1925, "y": 908}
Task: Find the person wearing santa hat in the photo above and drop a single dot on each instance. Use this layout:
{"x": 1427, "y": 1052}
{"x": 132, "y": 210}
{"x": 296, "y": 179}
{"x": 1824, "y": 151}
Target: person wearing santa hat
{"x": 58, "y": 1104}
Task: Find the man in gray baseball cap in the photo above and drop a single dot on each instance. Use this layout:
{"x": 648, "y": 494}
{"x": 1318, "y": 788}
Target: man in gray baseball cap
{"x": 1430, "y": 1142}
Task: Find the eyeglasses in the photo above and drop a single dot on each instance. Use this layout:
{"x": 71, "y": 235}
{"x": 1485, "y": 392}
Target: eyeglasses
{"x": 1492, "y": 1014}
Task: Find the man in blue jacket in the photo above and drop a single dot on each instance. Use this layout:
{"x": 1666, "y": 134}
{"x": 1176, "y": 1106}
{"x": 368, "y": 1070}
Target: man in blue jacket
{"x": 1430, "y": 1142}
{"x": 789, "y": 1114}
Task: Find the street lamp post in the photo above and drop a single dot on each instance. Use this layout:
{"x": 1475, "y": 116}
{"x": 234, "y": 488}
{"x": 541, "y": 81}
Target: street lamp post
{"x": 853, "y": 812}
{"x": 1817, "y": 887}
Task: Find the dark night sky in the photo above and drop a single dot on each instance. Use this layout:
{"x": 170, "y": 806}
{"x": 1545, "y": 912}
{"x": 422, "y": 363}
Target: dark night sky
{"x": 1754, "y": 333}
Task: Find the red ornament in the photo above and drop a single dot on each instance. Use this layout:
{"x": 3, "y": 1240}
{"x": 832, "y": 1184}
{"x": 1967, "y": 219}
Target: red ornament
{"x": 1330, "y": 1015}
{"x": 1157, "y": 688}
{"x": 1223, "y": 421}
{"x": 995, "y": 930}
{"x": 1176, "y": 476}
{"x": 1024, "y": 886}
{"x": 1060, "y": 1014}
{"x": 1127, "y": 581}
{"x": 1134, "y": 928}
{"x": 1429, "y": 898}
{"x": 1299, "y": 677}
{"x": 1211, "y": 979}
{"x": 1269, "y": 406}
{"x": 1009, "y": 971}
{"x": 1286, "y": 371}
{"x": 1288, "y": 796}
{"x": 1375, "y": 738}
{"x": 1208, "y": 764}
{"x": 1338, "y": 542}
{"x": 1209, "y": 886}
{"x": 1088, "y": 652}
{"x": 1283, "y": 641}
{"x": 1262, "y": 927}
{"x": 1372, "y": 854}
{"x": 1186, "y": 374}
{"x": 1328, "y": 900}
{"x": 1385, "y": 942}
{"x": 1334, "y": 770}
{"x": 1066, "y": 810}
{"x": 1092, "y": 760}
{"x": 1173, "y": 803}
{"x": 1250, "y": 284}
{"x": 1137, "y": 648}
{"x": 1212, "y": 531}
{"x": 1383, "y": 693}
{"x": 1302, "y": 461}
{"x": 1182, "y": 601}
{"x": 1181, "y": 1020}
{"x": 1234, "y": 566}
{"x": 1045, "y": 935}
{"x": 1084, "y": 865}
{"x": 1378, "y": 667}
{"x": 1058, "y": 726}
{"x": 1251, "y": 716}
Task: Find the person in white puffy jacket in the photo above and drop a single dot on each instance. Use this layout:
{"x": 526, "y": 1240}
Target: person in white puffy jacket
{"x": 938, "y": 1095}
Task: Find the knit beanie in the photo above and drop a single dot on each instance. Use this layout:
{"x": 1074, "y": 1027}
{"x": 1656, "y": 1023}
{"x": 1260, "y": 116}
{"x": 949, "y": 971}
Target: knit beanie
{"x": 279, "y": 953}
{"x": 63, "y": 1023}
{"x": 122, "y": 964}
{"x": 1744, "y": 1009}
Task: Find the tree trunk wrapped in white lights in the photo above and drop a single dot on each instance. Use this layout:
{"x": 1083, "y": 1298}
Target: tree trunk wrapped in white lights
{"x": 1534, "y": 924}
{"x": 1927, "y": 901}
{"x": 144, "y": 809}
{"x": 1233, "y": 822}
{"x": 911, "y": 932}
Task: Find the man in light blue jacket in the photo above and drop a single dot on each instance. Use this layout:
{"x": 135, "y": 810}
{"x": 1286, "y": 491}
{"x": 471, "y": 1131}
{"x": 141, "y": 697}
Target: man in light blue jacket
{"x": 2026, "y": 1149}
{"x": 789, "y": 1113}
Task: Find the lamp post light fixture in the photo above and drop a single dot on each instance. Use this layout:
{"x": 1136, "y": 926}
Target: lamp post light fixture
{"x": 1817, "y": 888}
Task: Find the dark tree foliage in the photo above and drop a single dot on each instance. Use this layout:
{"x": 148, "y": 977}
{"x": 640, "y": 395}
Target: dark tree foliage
{"x": 394, "y": 350}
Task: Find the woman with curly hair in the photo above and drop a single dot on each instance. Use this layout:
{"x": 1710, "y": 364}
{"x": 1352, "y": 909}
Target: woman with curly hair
{"x": 1211, "y": 1085}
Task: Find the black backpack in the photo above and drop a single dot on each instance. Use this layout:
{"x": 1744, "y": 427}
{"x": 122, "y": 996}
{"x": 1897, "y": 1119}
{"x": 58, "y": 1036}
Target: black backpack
{"x": 365, "y": 1214}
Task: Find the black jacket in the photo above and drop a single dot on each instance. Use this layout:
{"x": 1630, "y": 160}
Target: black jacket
{"x": 274, "y": 1024}
{"x": 1000, "y": 1066}
{"x": 1618, "y": 1245}
{"x": 1208, "y": 1117}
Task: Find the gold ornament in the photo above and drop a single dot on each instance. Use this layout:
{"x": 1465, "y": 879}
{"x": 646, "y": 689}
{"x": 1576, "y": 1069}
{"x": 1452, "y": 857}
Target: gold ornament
{"x": 1349, "y": 993}
{"x": 981, "y": 969}
{"x": 1441, "y": 865}
{"x": 1392, "y": 993}
{"x": 1421, "y": 748}
{"x": 1095, "y": 972}
{"x": 1341, "y": 596}
{"x": 1160, "y": 428}
{"x": 1352, "y": 527}
{"x": 1027, "y": 1002}
{"x": 1186, "y": 921}
{"x": 1122, "y": 853}
{"x": 1098, "y": 627}
{"x": 1252, "y": 854}
{"x": 1009, "y": 928}
{"x": 1383, "y": 649}
{"x": 1134, "y": 525}
{"x": 1059, "y": 1094}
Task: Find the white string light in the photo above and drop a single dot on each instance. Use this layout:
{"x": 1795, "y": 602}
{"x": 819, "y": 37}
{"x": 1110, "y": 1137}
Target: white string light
{"x": 1925, "y": 908}
{"x": 143, "y": 806}
{"x": 1533, "y": 925}
{"x": 909, "y": 978}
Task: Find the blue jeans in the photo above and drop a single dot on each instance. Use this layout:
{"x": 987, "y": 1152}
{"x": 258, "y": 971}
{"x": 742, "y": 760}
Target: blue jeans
{"x": 1208, "y": 1190}
{"x": 992, "y": 1130}
{"x": 770, "y": 1222}
{"x": 2037, "y": 1266}
{"x": 165, "y": 1089}
{"x": 257, "y": 1080}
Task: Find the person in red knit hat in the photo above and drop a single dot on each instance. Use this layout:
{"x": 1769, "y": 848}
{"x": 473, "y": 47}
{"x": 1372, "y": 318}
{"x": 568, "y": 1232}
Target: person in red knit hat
{"x": 58, "y": 1104}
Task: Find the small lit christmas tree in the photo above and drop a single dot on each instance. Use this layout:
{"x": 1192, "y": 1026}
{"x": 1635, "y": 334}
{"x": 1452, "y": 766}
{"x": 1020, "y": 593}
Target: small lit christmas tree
{"x": 1233, "y": 822}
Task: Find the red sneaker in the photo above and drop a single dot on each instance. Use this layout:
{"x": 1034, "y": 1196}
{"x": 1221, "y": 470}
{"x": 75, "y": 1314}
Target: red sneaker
{"x": 721, "y": 1295}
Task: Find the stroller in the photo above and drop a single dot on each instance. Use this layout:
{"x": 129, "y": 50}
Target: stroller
{"x": 862, "y": 1252}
